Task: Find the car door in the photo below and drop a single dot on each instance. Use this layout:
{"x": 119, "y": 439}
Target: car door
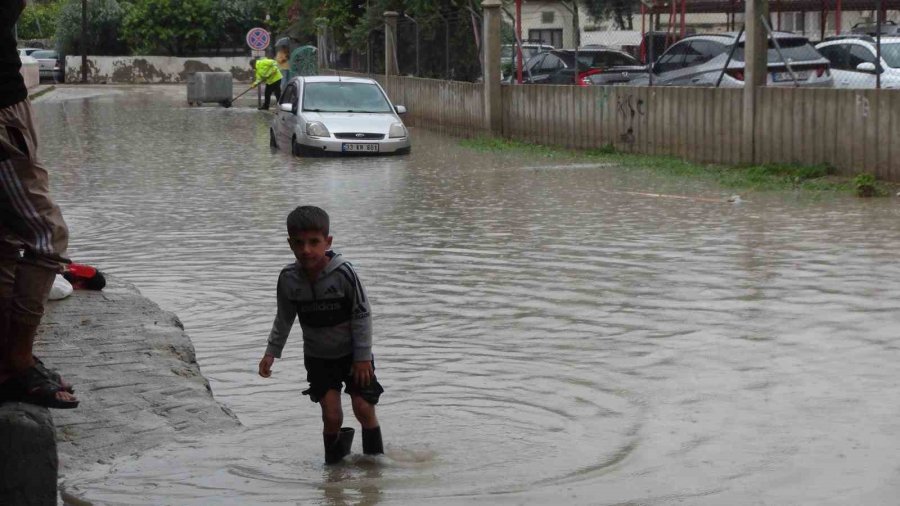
{"x": 549, "y": 72}
{"x": 668, "y": 68}
{"x": 698, "y": 70}
{"x": 287, "y": 120}
{"x": 532, "y": 68}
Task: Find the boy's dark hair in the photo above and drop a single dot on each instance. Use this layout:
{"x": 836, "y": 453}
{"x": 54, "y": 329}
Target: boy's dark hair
{"x": 305, "y": 218}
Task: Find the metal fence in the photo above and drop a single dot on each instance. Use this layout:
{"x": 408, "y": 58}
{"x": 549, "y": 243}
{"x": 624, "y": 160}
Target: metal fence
{"x": 827, "y": 47}
{"x": 439, "y": 47}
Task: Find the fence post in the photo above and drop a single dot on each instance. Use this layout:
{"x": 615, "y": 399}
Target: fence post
{"x": 491, "y": 66}
{"x": 755, "y": 70}
{"x": 390, "y": 43}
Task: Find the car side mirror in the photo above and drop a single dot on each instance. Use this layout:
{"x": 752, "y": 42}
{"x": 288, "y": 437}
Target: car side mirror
{"x": 867, "y": 67}
{"x": 288, "y": 107}
{"x": 400, "y": 109}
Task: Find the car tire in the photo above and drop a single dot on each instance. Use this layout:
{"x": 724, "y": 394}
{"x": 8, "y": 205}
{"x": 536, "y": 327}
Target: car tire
{"x": 272, "y": 142}
{"x": 403, "y": 151}
{"x": 296, "y": 150}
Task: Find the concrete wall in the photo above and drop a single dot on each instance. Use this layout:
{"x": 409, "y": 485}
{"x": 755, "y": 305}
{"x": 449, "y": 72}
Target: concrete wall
{"x": 851, "y": 130}
{"x": 153, "y": 69}
{"x": 30, "y": 71}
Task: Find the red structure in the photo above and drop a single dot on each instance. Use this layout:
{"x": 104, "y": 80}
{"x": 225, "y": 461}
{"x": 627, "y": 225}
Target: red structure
{"x": 733, "y": 7}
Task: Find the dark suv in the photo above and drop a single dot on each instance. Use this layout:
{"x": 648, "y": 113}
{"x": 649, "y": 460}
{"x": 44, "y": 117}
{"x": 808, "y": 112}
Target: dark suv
{"x": 584, "y": 67}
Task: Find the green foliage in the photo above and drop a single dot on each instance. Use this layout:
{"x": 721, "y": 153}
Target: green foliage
{"x": 171, "y": 27}
{"x": 619, "y": 10}
{"x": 38, "y": 20}
{"x": 104, "y": 26}
{"x": 865, "y": 185}
{"x": 754, "y": 178}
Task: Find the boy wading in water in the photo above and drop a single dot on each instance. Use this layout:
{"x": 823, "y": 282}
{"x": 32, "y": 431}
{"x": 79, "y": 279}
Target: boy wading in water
{"x": 322, "y": 290}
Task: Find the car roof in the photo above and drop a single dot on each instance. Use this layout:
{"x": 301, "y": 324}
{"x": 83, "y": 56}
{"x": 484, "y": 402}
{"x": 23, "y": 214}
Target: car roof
{"x": 729, "y": 36}
{"x": 858, "y": 38}
{"x": 334, "y": 79}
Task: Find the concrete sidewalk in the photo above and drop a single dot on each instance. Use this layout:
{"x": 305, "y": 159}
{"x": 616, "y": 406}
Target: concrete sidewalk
{"x": 134, "y": 371}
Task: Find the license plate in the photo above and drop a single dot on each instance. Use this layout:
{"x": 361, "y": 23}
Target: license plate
{"x": 780, "y": 77}
{"x": 359, "y": 148}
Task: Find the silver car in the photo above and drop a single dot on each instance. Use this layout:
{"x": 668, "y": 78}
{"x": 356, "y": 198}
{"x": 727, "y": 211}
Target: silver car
{"x": 854, "y": 61}
{"x": 698, "y": 60}
{"x": 338, "y": 115}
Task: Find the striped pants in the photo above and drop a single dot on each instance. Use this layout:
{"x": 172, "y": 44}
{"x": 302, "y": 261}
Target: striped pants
{"x": 29, "y": 220}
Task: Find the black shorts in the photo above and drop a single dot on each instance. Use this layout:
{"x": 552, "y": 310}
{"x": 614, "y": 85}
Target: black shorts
{"x": 324, "y": 374}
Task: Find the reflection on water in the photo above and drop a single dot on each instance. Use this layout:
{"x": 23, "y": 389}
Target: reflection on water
{"x": 547, "y": 331}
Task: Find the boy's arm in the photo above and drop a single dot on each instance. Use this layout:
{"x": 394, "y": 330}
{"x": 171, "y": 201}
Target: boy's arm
{"x": 284, "y": 320}
{"x": 361, "y": 320}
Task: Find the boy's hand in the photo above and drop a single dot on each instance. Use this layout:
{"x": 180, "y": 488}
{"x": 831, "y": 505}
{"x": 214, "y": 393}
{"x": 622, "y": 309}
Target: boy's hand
{"x": 362, "y": 373}
{"x": 265, "y": 366}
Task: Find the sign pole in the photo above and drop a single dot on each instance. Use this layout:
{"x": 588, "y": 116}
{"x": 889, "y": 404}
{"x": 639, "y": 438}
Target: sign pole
{"x": 258, "y": 39}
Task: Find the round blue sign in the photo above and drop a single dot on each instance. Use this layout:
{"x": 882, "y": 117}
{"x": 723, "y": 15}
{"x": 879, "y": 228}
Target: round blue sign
{"x": 258, "y": 38}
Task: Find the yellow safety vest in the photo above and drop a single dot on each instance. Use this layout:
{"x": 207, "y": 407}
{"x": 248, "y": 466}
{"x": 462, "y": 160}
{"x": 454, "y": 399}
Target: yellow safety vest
{"x": 267, "y": 71}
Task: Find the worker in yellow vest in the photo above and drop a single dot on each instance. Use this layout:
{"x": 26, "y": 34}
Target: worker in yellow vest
{"x": 266, "y": 71}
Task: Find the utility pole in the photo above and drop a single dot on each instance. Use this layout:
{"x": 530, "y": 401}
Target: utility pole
{"x": 84, "y": 67}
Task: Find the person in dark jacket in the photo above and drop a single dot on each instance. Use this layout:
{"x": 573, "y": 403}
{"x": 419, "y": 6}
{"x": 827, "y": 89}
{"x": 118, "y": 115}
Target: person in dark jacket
{"x": 33, "y": 236}
{"x": 322, "y": 290}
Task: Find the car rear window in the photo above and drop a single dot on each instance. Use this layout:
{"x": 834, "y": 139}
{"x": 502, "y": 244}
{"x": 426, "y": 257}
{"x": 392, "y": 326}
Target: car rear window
{"x": 604, "y": 59}
{"x": 344, "y": 97}
{"x": 43, "y": 54}
{"x": 794, "y": 49}
{"x": 891, "y": 54}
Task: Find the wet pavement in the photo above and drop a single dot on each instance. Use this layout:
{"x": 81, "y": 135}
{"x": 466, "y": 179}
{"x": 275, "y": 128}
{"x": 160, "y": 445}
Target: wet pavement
{"x": 546, "y": 331}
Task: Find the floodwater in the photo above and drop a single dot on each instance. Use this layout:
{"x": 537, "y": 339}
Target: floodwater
{"x": 548, "y": 331}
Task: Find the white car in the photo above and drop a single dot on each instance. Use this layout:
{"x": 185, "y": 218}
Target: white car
{"x": 853, "y": 61}
{"x": 338, "y": 115}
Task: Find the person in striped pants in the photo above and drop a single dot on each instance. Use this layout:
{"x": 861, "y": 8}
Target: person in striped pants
{"x": 33, "y": 236}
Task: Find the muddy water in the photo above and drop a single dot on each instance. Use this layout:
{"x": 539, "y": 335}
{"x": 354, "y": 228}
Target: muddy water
{"x": 547, "y": 332}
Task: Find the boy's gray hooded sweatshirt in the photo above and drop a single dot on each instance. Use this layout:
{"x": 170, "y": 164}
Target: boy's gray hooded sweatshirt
{"x": 333, "y": 312}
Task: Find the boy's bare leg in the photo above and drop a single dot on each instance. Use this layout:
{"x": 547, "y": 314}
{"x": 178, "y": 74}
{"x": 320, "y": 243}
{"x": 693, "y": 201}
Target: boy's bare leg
{"x": 365, "y": 412}
{"x": 332, "y": 413}
{"x": 371, "y": 432}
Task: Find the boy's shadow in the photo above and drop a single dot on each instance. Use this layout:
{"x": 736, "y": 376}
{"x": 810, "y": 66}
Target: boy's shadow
{"x": 352, "y": 483}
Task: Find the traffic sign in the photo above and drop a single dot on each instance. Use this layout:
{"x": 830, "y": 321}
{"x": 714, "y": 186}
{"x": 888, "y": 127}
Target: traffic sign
{"x": 258, "y": 38}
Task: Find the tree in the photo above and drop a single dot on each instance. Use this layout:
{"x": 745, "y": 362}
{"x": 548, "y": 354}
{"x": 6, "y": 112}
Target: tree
{"x": 104, "y": 26}
{"x": 620, "y": 10}
{"x": 38, "y": 21}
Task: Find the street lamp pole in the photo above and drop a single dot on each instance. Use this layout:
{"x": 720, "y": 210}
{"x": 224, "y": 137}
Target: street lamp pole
{"x": 84, "y": 41}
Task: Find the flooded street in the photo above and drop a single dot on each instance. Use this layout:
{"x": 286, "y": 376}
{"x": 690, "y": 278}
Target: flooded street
{"x": 546, "y": 332}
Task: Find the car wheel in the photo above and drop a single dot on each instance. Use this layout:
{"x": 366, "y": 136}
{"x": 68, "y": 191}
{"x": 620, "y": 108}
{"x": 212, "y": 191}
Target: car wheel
{"x": 295, "y": 148}
{"x": 403, "y": 151}
{"x": 272, "y": 142}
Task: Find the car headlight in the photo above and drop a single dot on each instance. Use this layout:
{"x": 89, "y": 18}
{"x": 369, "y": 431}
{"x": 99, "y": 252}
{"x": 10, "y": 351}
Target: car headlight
{"x": 397, "y": 130}
{"x": 317, "y": 129}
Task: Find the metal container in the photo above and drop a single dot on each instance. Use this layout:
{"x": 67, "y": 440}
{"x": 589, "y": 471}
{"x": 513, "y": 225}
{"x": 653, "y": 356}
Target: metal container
{"x": 209, "y": 87}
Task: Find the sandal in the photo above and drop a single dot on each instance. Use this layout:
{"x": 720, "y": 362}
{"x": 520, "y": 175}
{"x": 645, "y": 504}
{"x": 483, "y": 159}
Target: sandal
{"x": 52, "y": 375}
{"x": 33, "y": 387}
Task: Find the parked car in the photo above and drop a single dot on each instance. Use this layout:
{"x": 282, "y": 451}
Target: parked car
{"x": 698, "y": 60}
{"x": 529, "y": 50}
{"x": 890, "y": 28}
{"x": 854, "y": 61}
{"x": 51, "y": 64}
{"x": 26, "y": 51}
{"x": 338, "y": 115}
{"x": 593, "y": 66}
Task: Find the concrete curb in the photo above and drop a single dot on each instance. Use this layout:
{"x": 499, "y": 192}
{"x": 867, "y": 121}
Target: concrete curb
{"x": 134, "y": 371}
{"x": 28, "y": 461}
{"x": 41, "y": 91}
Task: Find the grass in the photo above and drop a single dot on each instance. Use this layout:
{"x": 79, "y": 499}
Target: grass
{"x": 819, "y": 178}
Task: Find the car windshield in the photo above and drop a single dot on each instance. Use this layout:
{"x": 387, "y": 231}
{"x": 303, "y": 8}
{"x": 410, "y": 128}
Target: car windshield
{"x": 43, "y": 54}
{"x": 794, "y": 49}
{"x": 344, "y": 97}
{"x": 891, "y": 54}
{"x": 604, "y": 59}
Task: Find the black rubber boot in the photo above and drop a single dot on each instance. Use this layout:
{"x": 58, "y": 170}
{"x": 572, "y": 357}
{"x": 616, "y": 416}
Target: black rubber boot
{"x": 372, "y": 441}
{"x": 337, "y": 446}
{"x": 346, "y": 440}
